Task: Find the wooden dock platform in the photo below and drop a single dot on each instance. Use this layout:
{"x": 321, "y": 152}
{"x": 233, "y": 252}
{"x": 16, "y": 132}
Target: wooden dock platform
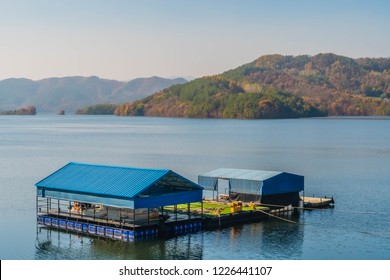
{"x": 317, "y": 202}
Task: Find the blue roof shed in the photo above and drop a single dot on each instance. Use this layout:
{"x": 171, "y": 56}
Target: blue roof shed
{"x": 119, "y": 186}
{"x": 259, "y": 185}
{"x": 258, "y": 182}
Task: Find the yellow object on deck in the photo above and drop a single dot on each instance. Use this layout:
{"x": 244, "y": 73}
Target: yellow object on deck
{"x": 236, "y": 206}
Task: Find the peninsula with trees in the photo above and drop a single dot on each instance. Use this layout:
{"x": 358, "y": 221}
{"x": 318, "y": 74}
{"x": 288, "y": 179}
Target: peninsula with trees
{"x": 29, "y": 110}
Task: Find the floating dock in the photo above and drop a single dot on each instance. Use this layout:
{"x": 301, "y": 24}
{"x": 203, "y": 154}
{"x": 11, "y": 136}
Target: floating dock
{"x": 127, "y": 204}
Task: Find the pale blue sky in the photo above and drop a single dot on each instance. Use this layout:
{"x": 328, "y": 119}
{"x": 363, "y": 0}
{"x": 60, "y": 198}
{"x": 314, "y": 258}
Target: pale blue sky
{"x": 122, "y": 40}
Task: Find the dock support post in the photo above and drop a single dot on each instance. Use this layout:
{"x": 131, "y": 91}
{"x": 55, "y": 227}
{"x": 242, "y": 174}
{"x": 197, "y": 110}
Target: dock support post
{"x": 148, "y": 217}
{"x": 134, "y": 219}
{"x": 47, "y": 205}
{"x": 120, "y": 217}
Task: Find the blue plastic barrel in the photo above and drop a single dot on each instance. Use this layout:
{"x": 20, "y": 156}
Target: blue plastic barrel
{"x": 131, "y": 235}
{"x": 92, "y": 229}
{"x": 54, "y": 223}
{"x": 62, "y": 224}
{"x": 41, "y": 220}
{"x": 100, "y": 231}
{"x": 109, "y": 232}
{"x": 70, "y": 225}
{"x": 48, "y": 221}
{"x": 78, "y": 227}
{"x": 118, "y": 234}
{"x": 125, "y": 235}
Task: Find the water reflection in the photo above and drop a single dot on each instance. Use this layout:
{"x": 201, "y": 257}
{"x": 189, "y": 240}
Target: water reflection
{"x": 56, "y": 244}
{"x": 272, "y": 239}
{"x": 52, "y": 244}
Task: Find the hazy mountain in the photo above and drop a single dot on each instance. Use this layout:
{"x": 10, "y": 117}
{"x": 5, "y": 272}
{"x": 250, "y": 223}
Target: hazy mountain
{"x": 277, "y": 86}
{"x": 72, "y": 93}
{"x": 141, "y": 87}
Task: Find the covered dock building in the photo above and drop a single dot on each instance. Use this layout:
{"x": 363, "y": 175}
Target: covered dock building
{"x": 271, "y": 188}
{"x": 117, "y": 202}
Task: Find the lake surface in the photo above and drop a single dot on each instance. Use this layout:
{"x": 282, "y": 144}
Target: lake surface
{"x": 348, "y": 158}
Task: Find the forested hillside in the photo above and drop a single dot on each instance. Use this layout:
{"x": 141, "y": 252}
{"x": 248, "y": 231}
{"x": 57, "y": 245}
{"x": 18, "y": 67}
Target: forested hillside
{"x": 217, "y": 97}
{"x": 276, "y": 86}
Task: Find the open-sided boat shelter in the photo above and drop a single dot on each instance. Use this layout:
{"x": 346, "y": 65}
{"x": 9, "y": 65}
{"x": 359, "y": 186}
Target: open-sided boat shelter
{"x": 271, "y": 188}
{"x": 102, "y": 199}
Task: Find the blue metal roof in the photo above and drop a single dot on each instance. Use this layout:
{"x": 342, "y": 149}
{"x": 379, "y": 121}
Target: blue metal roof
{"x": 115, "y": 181}
{"x": 253, "y": 181}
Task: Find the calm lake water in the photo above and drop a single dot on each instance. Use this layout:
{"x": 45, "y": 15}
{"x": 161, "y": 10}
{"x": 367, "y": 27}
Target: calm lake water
{"x": 348, "y": 158}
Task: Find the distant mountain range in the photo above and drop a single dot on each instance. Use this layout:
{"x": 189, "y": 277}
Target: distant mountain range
{"x": 272, "y": 86}
{"x": 277, "y": 86}
{"x": 72, "y": 93}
